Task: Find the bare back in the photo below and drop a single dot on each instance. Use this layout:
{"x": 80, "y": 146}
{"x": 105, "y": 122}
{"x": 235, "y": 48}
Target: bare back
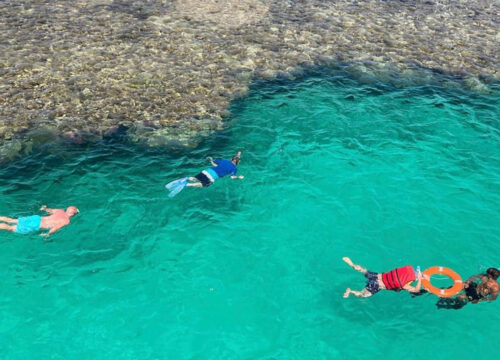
{"x": 55, "y": 221}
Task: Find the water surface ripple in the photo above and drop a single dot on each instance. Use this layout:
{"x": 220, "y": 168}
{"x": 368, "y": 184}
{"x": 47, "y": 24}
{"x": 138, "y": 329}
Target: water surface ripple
{"x": 251, "y": 269}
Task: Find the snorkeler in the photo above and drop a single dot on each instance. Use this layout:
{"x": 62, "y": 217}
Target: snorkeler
{"x": 57, "y": 219}
{"x": 474, "y": 292}
{"x": 221, "y": 168}
{"x": 396, "y": 279}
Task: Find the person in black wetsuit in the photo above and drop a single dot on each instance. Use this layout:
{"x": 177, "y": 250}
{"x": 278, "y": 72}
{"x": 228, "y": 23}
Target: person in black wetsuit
{"x": 474, "y": 292}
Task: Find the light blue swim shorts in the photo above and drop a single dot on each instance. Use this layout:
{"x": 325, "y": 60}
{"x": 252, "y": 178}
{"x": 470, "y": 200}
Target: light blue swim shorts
{"x": 28, "y": 224}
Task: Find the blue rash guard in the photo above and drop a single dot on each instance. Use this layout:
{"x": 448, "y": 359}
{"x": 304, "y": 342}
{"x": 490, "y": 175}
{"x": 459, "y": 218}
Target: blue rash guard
{"x": 224, "y": 167}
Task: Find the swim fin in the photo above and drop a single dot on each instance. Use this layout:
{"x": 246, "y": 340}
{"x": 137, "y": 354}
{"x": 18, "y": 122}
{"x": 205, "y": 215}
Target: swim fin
{"x": 450, "y": 303}
{"x": 176, "y": 186}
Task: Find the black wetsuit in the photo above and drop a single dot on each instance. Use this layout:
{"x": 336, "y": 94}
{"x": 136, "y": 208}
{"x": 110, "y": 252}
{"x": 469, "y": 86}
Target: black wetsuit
{"x": 471, "y": 292}
{"x": 455, "y": 303}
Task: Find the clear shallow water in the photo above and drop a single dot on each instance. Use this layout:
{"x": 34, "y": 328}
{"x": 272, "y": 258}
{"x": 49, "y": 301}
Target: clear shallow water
{"x": 78, "y": 68}
{"x": 252, "y": 269}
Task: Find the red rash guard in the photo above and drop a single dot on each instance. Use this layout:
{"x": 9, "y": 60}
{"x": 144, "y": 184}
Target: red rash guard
{"x": 397, "y": 278}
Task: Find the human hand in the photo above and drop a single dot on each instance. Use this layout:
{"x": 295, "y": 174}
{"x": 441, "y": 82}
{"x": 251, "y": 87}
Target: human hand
{"x": 466, "y": 285}
{"x": 43, "y": 207}
{"x": 46, "y": 237}
{"x": 241, "y": 177}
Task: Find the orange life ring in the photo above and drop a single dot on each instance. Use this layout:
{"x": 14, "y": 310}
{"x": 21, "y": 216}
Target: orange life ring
{"x": 455, "y": 289}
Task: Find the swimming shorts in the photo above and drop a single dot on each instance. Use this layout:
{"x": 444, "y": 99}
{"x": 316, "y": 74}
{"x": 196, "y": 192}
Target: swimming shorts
{"x": 28, "y": 224}
{"x": 207, "y": 177}
{"x": 372, "y": 283}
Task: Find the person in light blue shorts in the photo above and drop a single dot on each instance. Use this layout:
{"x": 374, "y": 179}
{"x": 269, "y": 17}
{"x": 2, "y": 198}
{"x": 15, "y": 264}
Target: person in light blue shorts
{"x": 28, "y": 224}
{"x": 57, "y": 219}
{"x": 22, "y": 225}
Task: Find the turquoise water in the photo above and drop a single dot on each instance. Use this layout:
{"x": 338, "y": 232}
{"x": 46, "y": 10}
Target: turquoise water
{"x": 384, "y": 173}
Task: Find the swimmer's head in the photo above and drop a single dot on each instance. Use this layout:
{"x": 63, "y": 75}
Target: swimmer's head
{"x": 236, "y": 158}
{"x": 72, "y": 210}
{"x": 493, "y": 273}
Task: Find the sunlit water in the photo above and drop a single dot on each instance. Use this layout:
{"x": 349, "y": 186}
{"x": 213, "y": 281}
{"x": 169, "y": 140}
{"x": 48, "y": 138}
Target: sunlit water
{"x": 252, "y": 269}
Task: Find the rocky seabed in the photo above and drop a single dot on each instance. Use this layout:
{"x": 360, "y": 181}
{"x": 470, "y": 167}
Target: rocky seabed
{"x": 167, "y": 70}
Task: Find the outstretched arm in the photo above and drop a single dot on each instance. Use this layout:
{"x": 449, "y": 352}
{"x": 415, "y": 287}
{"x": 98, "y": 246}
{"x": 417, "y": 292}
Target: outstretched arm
{"x": 473, "y": 278}
{"x": 52, "y": 230}
{"x": 46, "y": 209}
{"x": 212, "y": 161}
{"x": 494, "y": 294}
{"x": 414, "y": 289}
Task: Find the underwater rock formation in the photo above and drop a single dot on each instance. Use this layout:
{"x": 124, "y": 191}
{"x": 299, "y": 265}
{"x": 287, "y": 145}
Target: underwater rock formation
{"x": 168, "y": 70}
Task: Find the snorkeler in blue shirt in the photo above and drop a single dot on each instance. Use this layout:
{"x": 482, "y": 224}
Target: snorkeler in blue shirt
{"x": 221, "y": 168}
{"x": 207, "y": 177}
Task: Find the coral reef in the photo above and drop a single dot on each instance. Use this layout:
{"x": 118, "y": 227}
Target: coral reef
{"x": 168, "y": 70}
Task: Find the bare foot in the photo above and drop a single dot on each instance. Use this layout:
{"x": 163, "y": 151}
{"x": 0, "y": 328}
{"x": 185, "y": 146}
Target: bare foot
{"x": 350, "y": 263}
{"x": 347, "y": 293}
{"x": 347, "y": 261}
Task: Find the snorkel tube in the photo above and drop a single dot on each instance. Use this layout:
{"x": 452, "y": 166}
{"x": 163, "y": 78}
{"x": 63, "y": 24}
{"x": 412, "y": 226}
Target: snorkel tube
{"x": 236, "y": 158}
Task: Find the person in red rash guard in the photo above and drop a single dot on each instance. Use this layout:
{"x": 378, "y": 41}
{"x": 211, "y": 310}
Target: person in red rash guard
{"x": 396, "y": 279}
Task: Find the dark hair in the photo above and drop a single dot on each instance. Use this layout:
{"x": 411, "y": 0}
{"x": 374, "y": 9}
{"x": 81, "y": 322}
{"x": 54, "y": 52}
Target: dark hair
{"x": 235, "y": 159}
{"x": 493, "y": 273}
